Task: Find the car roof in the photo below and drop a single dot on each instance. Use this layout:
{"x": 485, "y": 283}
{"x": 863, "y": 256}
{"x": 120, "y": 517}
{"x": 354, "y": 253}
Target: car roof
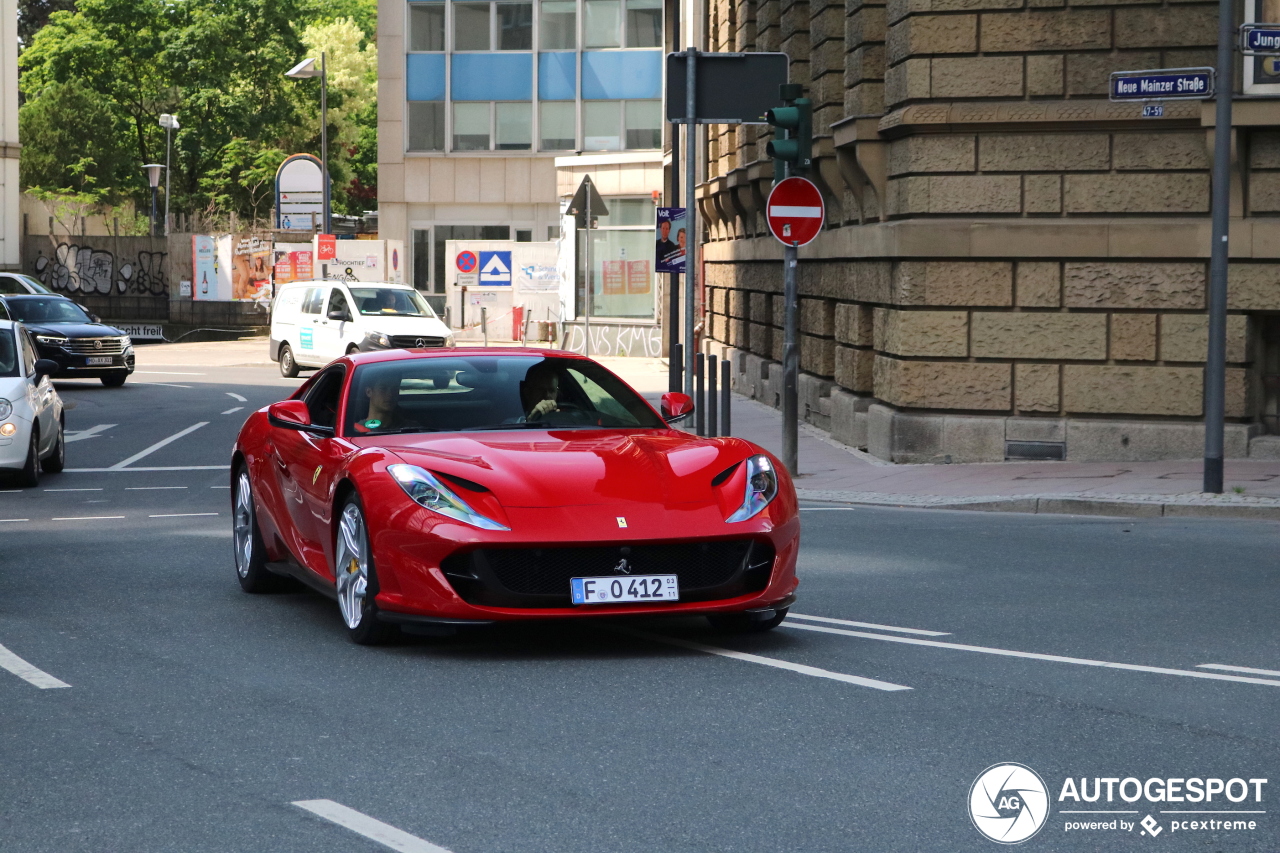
{"x": 446, "y": 352}
{"x": 36, "y": 296}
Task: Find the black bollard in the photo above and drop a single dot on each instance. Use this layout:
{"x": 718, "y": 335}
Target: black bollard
{"x": 677, "y": 367}
{"x": 713, "y": 420}
{"x": 698, "y": 399}
{"x": 724, "y": 397}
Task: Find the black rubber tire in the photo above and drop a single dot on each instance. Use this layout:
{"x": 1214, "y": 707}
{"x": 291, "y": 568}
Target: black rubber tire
{"x": 28, "y": 476}
{"x": 58, "y": 458}
{"x": 254, "y": 577}
{"x": 353, "y": 349}
{"x": 115, "y": 380}
{"x": 371, "y": 631}
{"x": 741, "y": 623}
{"x": 288, "y": 366}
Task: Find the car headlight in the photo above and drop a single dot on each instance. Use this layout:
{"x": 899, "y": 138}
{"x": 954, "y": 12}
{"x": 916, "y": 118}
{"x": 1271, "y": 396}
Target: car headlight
{"x": 6, "y": 408}
{"x": 126, "y": 342}
{"x": 762, "y": 487}
{"x": 427, "y": 490}
{"x": 379, "y": 339}
{"x": 448, "y": 340}
{"x": 52, "y": 340}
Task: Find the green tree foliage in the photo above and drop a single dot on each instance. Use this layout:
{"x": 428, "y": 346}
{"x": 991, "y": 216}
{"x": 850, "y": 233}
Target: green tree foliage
{"x": 34, "y": 14}
{"x": 219, "y": 65}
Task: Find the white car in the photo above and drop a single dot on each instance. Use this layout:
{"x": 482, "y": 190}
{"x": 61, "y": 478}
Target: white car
{"x": 14, "y": 283}
{"x": 31, "y": 416}
{"x": 314, "y": 322}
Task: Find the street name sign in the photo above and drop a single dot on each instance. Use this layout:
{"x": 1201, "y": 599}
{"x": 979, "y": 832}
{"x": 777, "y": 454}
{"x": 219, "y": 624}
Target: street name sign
{"x": 795, "y": 212}
{"x": 1163, "y": 84}
{"x": 1260, "y": 39}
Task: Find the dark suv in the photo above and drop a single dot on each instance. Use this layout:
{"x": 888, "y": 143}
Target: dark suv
{"x": 83, "y": 347}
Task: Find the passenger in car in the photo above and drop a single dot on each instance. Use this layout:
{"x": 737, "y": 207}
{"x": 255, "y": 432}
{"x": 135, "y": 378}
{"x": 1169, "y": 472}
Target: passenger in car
{"x": 385, "y": 414}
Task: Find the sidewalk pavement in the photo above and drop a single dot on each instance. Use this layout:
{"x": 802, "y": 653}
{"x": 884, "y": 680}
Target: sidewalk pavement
{"x": 833, "y": 472}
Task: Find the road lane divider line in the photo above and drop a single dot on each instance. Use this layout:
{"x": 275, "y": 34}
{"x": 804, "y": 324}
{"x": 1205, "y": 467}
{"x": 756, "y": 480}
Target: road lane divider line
{"x": 870, "y": 625}
{"x": 27, "y": 672}
{"x": 143, "y": 469}
{"x": 159, "y": 444}
{"x": 233, "y": 411}
{"x": 182, "y": 515}
{"x": 12, "y": 520}
{"x": 81, "y": 434}
{"x": 372, "y": 829}
{"x": 800, "y": 668}
{"x": 88, "y": 518}
{"x": 71, "y": 490}
{"x": 165, "y": 384}
{"x": 236, "y": 397}
{"x": 1225, "y": 668}
{"x": 959, "y": 647}
{"x": 151, "y": 488}
{"x": 165, "y": 373}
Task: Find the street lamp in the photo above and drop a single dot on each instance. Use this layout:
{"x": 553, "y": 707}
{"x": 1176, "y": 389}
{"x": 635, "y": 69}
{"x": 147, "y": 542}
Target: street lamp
{"x": 153, "y": 178}
{"x": 304, "y": 69}
{"x": 170, "y": 124}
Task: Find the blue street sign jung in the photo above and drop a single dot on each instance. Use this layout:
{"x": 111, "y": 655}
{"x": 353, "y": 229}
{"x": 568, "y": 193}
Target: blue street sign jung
{"x": 1260, "y": 39}
{"x": 1165, "y": 84}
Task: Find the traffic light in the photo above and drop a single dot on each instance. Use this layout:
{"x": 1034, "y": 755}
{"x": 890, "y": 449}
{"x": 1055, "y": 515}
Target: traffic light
{"x": 792, "y": 144}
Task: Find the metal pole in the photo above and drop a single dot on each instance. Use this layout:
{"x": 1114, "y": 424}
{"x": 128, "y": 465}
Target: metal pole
{"x": 691, "y": 215}
{"x": 168, "y": 180}
{"x": 677, "y": 359}
{"x": 790, "y": 361}
{"x": 700, "y": 416}
{"x": 713, "y": 416}
{"x": 154, "y": 191}
{"x": 1215, "y": 367}
{"x": 484, "y": 323}
{"x": 725, "y": 379}
{"x": 586, "y": 326}
{"x": 324, "y": 140}
{"x": 673, "y": 296}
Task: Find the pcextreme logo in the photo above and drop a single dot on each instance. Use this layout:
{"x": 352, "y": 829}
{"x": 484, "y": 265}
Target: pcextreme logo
{"x": 1008, "y": 803}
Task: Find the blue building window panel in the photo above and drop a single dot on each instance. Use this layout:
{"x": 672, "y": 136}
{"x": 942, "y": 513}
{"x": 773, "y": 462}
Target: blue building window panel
{"x": 424, "y": 77}
{"x": 621, "y": 75}
{"x": 502, "y": 76}
{"x": 557, "y": 76}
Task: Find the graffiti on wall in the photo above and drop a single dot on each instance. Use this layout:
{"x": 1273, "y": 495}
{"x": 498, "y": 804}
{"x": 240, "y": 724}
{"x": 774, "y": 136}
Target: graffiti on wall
{"x": 609, "y": 339}
{"x": 98, "y": 272}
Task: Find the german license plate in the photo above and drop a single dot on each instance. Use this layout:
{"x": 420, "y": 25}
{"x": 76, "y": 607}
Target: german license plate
{"x": 98, "y": 360}
{"x": 624, "y": 589}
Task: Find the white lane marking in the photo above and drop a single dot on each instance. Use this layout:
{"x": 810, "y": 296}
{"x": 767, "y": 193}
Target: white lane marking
{"x": 165, "y": 384}
{"x": 870, "y": 625}
{"x": 1248, "y": 669}
{"x": 1072, "y": 811}
{"x": 151, "y": 488}
{"x": 165, "y": 373}
{"x": 764, "y": 661}
{"x": 1132, "y": 667}
{"x": 219, "y": 487}
{"x": 233, "y": 411}
{"x": 12, "y": 520}
{"x": 236, "y": 397}
{"x": 182, "y": 515}
{"x": 375, "y": 830}
{"x": 27, "y": 672}
{"x": 71, "y": 490}
{"x": 159, "y": 444}
{"x": 82, "y": 434}
{"x": 1224, "y": 811}
{"x": 827, "y": 508}
{"x": 89, "y": 518}
{"x": 141, "y": 469}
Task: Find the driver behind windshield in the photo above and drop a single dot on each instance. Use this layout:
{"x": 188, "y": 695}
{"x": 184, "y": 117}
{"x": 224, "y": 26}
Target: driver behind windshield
{"x": 384, "y": 407}
{"x": 539, "y": 391}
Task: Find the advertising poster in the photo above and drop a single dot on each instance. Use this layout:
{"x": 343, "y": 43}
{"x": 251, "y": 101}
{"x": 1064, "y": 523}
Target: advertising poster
{"x": 668, "y": 255}
{"x": 612, "y": 279}
{"x": 303, "y": 268}
{"x": 638, "y": 277}
{"x": 244, "y": 264}
{"x": 206, "y": 285}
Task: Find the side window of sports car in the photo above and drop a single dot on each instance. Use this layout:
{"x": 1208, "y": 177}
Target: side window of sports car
{"x": 322, "y": 399}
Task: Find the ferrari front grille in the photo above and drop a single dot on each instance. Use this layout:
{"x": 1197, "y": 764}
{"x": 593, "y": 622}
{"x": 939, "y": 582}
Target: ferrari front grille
{"x": 539, "y": 576}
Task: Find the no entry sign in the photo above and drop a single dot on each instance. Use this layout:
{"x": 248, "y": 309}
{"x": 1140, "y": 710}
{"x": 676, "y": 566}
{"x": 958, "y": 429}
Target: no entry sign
{"x": 795, "y": 212}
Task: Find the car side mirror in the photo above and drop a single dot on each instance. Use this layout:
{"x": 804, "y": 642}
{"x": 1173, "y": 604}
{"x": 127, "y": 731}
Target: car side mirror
{"x": 45, "y": 367}
{"x": 289, "y": 414}
{"x": 676, "y": 406}
{"x": 340, "y": 315}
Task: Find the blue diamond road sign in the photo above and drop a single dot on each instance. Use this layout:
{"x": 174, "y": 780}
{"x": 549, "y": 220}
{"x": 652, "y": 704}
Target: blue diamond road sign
{"x": 495, "y": 269}
{"x": 1162, "y": 84}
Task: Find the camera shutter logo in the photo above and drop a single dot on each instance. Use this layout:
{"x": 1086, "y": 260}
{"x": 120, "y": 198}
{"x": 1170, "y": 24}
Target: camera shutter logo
{"x": 1008, "y": 803}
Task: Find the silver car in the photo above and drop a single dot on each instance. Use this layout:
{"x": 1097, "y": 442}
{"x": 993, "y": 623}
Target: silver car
{"x": 31, "y": 415}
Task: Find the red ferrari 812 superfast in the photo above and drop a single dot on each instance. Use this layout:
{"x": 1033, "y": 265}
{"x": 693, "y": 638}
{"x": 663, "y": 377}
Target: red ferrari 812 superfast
{"x": 432, "y": 489}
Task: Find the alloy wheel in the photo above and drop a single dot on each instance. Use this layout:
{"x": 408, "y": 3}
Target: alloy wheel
{"x": 352, "y": 565}
{"x": 242, "y": 525}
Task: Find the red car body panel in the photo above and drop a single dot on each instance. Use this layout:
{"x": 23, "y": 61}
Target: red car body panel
{"x": 554, "y": 488}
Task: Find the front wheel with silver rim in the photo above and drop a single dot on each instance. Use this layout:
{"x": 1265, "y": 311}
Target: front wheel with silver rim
{"x": 356, "y": 577}
{"x": 251, "y": 554}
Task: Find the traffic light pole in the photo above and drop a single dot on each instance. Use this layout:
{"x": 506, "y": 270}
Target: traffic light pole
{"x": 790, "y": 361}
{"x": 691, "y": 212}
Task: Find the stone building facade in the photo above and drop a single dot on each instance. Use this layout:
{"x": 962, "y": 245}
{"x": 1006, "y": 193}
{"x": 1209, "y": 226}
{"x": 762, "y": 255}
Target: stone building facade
{"x": 1014, "y": 267}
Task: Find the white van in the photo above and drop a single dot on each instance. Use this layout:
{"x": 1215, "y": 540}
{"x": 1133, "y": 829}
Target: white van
{"x": 314, "y": 322}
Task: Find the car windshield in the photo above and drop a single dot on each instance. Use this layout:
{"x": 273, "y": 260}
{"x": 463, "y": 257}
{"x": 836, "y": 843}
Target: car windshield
{"x": 473, "y": 393}
{"x": 8, "y": 354}
{"x": 390, "y": 301}
{"x": 52, "y": 310}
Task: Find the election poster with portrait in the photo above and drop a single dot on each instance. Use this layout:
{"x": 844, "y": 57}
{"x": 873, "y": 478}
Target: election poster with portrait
{"x": 672, "y": 236}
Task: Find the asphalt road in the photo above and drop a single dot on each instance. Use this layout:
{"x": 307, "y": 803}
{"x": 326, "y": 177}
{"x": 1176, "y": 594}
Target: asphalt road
{"x": 197, "y": 716}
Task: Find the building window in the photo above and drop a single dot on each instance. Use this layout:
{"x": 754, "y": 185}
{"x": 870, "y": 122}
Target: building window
{"x": 426, "y": 125}
{"x": 422, "y": 261}
{"x": 601, "y": 125}
{"x": 559, "y": 25}
{"x": 557, "y": 123}
{"x": 471, "y": 126}
{"x": 644, "y": 23}
{"x": 515, "y": 26}
{"x": 426, "y": 26}
{"x": 514, "y": 126}
{"x": 603, "y": 23}
{"x": 524, "y": 236}
{"x": 471, "y": 26}
{"x": 644, "y": 124}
